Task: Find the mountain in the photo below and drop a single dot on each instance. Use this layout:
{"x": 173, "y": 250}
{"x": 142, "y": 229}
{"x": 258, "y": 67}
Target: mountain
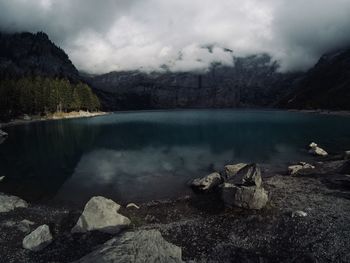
{"x": 253, "y": 81}
{"x": 27, "y": 54}
{"x": 325, "y": 86}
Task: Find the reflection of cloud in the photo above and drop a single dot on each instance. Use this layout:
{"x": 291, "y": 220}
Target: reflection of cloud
{"x": 136, "y": 175}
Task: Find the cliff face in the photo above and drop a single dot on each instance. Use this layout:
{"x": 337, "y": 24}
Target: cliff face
{"x": 28, "y": 54}
{"x": 326, "y": 86}
{"x": 252, "y": 82}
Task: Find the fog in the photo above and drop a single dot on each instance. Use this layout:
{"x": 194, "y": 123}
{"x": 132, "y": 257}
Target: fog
{"x": 102, "y": 36}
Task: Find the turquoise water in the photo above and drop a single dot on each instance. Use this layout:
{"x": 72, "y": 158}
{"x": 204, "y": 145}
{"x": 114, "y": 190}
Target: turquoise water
{"x": 139, "y": 156}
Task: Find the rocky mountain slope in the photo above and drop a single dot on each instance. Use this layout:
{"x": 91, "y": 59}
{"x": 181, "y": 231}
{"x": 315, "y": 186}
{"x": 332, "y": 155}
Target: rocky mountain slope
{"x": 27, "y": 54}
{"x": 253, "y": 82}
{"x": 325, "y": 86}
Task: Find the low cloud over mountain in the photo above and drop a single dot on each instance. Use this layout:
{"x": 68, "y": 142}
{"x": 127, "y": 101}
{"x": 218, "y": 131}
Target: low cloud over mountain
{"x": 102, "y": 36}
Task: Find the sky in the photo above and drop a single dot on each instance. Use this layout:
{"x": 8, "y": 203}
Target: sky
{"x": 115, "y": 35}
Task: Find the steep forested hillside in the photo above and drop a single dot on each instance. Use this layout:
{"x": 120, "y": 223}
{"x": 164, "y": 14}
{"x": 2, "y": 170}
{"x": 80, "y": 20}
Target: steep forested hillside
{"x": 37, "y": 77}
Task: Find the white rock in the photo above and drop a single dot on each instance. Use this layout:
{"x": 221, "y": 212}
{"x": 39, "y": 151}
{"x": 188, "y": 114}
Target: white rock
{"x": 299, "y": 213}
{"x": 132, "y": 205}
{"x": 101, "y": 214}
{"x": 144, "y": 246}
{"x": 232, "y": 169}
{"x": 38, "y": 239}
{"x": 294, "y": 169}
{"x": 9, "y": 203}
{"x": 2, "y": 178}
{"x": 207, "y": 183}
{"x": 315, "y": 150}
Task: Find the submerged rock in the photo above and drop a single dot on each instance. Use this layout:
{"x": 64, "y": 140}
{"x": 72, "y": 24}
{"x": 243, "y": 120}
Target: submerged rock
{"x": 315, "y": 150}
{"x": 207, "y": 183}
{"x": 136, "y": 247}
{"x": 249, "y": 175}
{"x": 347, "y": 155}
{"x": 250, "y": 197}
{"x": 295, "y": 169}
{"x": 232, "y": 169}
{"x": 9, "y": 203}
{"x": 3, "y": 134}
{"x": 101, "y": 214}
{"x": 38, "y": 239}
{"x": 2, "y": 178}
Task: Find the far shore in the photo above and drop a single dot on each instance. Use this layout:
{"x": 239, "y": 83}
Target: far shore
{"x": 55, "y": 116}
{"x": 324, "y": 112}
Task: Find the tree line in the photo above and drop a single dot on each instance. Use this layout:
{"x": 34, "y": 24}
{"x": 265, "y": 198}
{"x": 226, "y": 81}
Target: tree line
{"x": 41, "y": 96}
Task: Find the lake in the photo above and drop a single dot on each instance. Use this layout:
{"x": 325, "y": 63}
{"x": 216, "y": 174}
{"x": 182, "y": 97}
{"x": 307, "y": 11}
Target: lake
{"x": 146, "y": 155}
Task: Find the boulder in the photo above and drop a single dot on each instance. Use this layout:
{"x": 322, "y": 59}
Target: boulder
{"x": 232, "y": 169}
{"x": 23, "y": 226}
{"x": 207, "y": 183}
{"x": 2, "y": 178}
{"x": 249, "y": 197}
{"x": 101, "y": 214}
{"x": 145, "y": 246}
{"x": 315, "y": 150}
{"x": 38, "y": 239}
{"x": 249, "y": 175}
{"x": 297, "y": 168}
{"x": 347, "y": 155}
{"x": 9, "y": 203}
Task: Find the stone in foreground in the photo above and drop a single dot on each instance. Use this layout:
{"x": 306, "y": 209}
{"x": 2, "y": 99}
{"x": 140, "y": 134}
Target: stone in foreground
{"x": 299, "y": 213}
{"x": 249, "y": 175}
{"x": 101, "y": 214}
{"x": 249, "y": 197}
{"x": 315, "y": 150}
{"x": 9, "y": 203}
{"x": 38, "y": 239}
{"x": 207, "y": 183}
{"x": 232, "y": 169}
{"x": 302, "y": 166}
{"x": 136, "y": 247}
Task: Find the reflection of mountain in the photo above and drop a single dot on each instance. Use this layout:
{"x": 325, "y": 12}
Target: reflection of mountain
{"x": 39, "y": 157}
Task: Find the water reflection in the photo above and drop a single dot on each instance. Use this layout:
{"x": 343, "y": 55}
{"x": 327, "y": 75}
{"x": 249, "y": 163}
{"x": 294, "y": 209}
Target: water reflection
{"x": 147, "y": 155}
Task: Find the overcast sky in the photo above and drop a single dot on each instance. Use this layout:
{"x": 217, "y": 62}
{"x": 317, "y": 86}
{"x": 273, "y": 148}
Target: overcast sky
{"x": 102, "y": 36}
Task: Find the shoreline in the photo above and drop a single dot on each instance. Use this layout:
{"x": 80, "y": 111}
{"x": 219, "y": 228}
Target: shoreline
{"x": 206, "y": 230}
{"x": 323, "y": 112}
{"x": 53, "y": 117}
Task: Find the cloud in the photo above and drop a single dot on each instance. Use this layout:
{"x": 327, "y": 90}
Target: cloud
{"x": 148, "y": 34}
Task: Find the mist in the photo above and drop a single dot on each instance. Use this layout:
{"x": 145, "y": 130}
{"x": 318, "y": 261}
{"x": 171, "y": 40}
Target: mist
{"x": 116, "y": 35}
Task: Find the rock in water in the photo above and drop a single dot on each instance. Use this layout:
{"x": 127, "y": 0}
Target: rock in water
{"x": 9, "y": 203}
{"x": 249, "y": 175}
{"x": 249, "y": 197}
{"x": 232, "y": 169}
{"x": 295, "y": 169}
{"x": 101, "y": 214}
{"x": 207, "y": 183}
{"x": 347, "y": 155}
{"x": 38, "y": 239}
{"x": 136, "y": 247}
{"x": 315, "y": 150}
{"x": 2, "y": 178}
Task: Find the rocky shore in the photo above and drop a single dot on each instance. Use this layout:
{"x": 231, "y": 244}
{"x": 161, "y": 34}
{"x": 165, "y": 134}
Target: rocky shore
{"x": 304, "y": 217}
{"x": 55, "y": 116}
